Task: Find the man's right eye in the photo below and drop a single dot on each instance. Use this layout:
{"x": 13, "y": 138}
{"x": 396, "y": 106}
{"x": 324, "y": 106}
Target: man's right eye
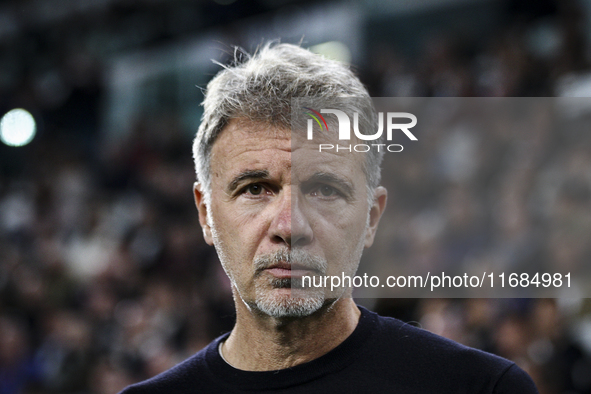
{"x": 255, "y": 189}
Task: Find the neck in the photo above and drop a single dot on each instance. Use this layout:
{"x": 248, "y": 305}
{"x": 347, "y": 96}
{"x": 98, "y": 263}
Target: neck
{"x": 263, "y": 343}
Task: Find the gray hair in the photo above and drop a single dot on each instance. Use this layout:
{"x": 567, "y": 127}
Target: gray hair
{"x": 261, "y": 88}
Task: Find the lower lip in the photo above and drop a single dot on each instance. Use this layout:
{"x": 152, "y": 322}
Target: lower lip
{"x": 285, "y": 273}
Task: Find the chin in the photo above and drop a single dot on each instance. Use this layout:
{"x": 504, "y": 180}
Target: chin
{"x": 284, "y": 305}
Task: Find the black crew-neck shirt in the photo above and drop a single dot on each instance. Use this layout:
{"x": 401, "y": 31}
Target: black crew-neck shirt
{"x": 382, "y": 355}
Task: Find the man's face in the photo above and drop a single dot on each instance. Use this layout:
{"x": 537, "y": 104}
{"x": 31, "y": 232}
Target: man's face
{"x": 278, "y": 211}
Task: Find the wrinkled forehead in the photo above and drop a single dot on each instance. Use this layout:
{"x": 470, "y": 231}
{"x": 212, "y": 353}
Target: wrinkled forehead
{"x": 322, "y": 155}
{"x": 242, "y": 135}
{"x": 256, "y": 141}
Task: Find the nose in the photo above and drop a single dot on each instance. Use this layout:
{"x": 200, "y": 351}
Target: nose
{"x": 290, "y": 225}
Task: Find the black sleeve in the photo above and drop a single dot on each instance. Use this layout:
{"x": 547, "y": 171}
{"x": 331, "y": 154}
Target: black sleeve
{"x": 515, "y": 381}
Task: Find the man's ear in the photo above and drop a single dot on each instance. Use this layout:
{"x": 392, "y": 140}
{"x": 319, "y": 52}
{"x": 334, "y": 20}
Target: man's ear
{"x": 375, "y": 213}
{"x": 202, "y": 208}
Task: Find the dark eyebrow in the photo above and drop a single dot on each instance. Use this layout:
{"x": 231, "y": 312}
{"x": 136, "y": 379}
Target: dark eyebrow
{"x": 247, "y": 174}
{"x": 327, "y": 177}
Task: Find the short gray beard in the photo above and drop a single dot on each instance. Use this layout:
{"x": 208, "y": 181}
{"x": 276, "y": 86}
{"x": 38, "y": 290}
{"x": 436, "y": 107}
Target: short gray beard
{"x": 299, "y": 303}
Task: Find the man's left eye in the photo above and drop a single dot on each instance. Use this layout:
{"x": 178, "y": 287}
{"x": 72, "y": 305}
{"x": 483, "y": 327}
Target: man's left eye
{"x": 325, "y": 191}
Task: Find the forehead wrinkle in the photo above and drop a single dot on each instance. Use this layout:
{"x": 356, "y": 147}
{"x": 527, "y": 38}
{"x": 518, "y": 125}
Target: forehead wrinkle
{"x": 259, "y": 130}
{"x": 239, "y": 139}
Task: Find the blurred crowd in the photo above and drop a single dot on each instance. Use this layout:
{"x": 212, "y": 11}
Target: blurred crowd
{"x": 510, "y": 194}
{"x": 105, "y": 279}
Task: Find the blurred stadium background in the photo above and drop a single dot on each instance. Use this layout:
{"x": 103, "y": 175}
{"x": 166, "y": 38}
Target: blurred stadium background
{"x": 104, "y": 276}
